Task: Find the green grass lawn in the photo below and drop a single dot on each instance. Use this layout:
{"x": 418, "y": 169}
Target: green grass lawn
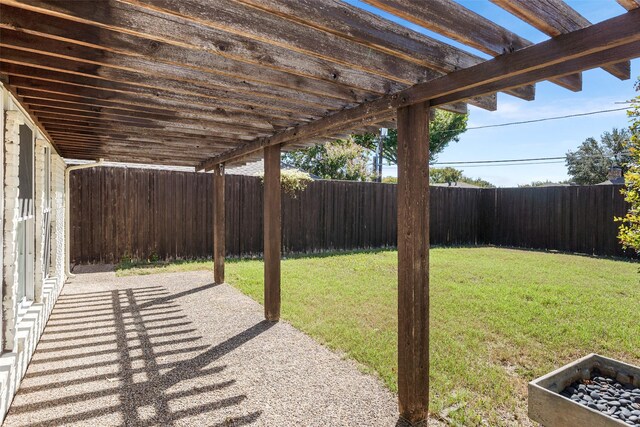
{"x": 499, "y": 317}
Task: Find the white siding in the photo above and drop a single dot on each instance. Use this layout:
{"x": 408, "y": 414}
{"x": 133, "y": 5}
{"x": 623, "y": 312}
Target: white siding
{"x": 21, "y": 331}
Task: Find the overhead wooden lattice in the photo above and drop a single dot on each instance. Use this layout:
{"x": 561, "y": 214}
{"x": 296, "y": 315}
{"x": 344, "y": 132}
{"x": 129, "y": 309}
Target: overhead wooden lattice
{"x": 199, "y": 82}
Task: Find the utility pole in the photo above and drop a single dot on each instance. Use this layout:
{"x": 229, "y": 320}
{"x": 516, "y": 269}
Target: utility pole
{"x": 381, "y": 140}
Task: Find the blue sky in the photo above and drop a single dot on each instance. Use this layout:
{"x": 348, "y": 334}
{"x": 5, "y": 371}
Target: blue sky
{"x": 600, "y": 91}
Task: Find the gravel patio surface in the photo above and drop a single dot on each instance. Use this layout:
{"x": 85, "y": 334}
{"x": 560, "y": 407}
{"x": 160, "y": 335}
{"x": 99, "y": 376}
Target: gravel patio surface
{"x": 175, "y": 350}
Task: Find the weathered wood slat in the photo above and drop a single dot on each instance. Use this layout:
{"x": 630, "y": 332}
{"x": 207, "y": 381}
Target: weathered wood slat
{"x": 159, "y": 28}
{"x": 65, "y": 57}
{"x": 124, "y": 50}
{"x": 608, "y": 56}
{"x": 161, "y": 87}
{"x": 88, "y": 113}
{"x": 162, "y": 109}
{"x": 141, "y": 115}
{"x": 77, "y": 120}
{"x": 101, "y": 57}
{"x": 629, "y": 4}
{"x": 502, "y": 72}
{"x": 459, "y": 23}
{"x": 351, "y": 23}
{"x": 236, "y": 19}
{"x": 171, "y": 100}
{"x": 315, "y": 219}
{"x": 555, "y": 17}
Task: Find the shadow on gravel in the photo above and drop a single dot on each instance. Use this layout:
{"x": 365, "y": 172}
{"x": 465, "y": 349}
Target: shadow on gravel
{"x": 134, "y": 349}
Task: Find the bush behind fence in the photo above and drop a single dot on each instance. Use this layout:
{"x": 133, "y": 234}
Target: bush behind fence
{"x": 140, "y": 213}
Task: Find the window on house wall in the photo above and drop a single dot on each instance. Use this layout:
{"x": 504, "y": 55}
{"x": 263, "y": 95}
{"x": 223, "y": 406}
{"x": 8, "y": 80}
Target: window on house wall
{"x": 26, "y": 222}
{"x": 46, "y": 217}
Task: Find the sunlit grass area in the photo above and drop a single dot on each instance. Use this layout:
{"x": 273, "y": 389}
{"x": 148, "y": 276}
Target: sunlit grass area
{"x": 499, "y": 317}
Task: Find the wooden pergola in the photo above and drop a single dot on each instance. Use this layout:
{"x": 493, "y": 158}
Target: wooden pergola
{"x": 215, "y": 83}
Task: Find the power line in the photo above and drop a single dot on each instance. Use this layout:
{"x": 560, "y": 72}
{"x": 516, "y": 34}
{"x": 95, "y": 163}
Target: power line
{"x": 497, "y": 164}
{"x": 500, "y": 161}
{"x": 568, "y": 116}
{"x": 513, "y": 164}
{"x": 543, "y": 119}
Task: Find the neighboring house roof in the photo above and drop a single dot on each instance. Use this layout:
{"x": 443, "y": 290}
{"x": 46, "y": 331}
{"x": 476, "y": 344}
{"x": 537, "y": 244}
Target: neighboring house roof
{"x": 250, "y": 169}
{"x": 458, "y": 184}
{"x": 133, "y": 165}
{"x": 257, "y": 168}
{"x": 615, "y": 181}
{"x": 555, "y": 184}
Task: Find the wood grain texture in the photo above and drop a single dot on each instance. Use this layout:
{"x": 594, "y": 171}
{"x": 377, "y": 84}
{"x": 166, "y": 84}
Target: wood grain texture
{"x": 272, "y": 232}
{"x": 558, "y": 56}
{"x": 629, "y": 4}
{"x": 555, "y": 17}
{"x": 159, "y": 29}
{"x": 219, "y": 231}
{"x": 354, "y": 24}
{"x": 449, "y": 18}
{"x": 413, "y": 262}
{"x": 325, "y": 216}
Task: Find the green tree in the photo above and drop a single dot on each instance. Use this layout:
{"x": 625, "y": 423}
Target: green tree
{"x": 546, "y": 183}
{"x": 591, "y": 162}
{"x": 629, "y": 234}
{"x": 443, "y": 129}
{"x": 341, "y": 159}
{"x": 478, "y": 182}
{"x": 446, "y": 175}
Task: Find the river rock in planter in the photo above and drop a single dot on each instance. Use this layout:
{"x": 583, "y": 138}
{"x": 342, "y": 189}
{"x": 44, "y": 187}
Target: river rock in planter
{"x": 608, "y": 396}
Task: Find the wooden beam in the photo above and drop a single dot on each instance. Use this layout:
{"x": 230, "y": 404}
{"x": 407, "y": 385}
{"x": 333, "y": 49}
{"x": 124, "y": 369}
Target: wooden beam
{"x": 218, "y": 224}
{"x": 18, "y": 31}
{"x": 629, "y": 4}
{"x": 272, "y": 233}
{"x": 159, "y": 28}
{"x": 461, "y": 24}
{"x": 238, "y": 20}
{"x": 112, "y": 121}
{"x": 180, "y": 103}
{"x": 95, "y": 97}
{"x": 92, "y": 112}
{"x": 17, "y": 49}
{"x": 413, "y": 262}
{"x": 124, "y": 48}
{"x": 594, "y": 60}
{"x": 160, "y": 87}
{"x": 612, "y": 39}
{"x": 555, "y": 17}
{"x": 357, "y": 25}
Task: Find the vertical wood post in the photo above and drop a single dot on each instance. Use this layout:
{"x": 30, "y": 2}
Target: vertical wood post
{"x": 218, "y": 224}
{"x": 272, "y": 233}
{"x": 413, "y": 262}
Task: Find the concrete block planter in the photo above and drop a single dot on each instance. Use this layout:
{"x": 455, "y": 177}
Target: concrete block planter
{"x": 552, "y": 409}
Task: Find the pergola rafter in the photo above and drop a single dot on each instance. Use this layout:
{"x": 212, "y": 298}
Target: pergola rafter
{"x": 213, "y": 83}
{"x": 607, "y": 42}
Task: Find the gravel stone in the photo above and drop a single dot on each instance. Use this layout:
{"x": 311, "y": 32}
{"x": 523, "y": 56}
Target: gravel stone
{"x": 176, "y": 350}
{"x": 607, "y": 396}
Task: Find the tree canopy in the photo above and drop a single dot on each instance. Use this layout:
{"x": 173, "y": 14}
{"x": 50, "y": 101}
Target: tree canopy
{"x": 341, "y": 159}
{"x": 630, "y": 228}
{"x": 444, "y": 128}
{"x": 349, "y": 159}
{"x": 446, "y": 175}
{"x": 591, "y": 162}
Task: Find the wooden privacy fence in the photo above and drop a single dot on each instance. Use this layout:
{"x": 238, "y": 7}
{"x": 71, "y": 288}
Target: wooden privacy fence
{"x": 140, "y": 213}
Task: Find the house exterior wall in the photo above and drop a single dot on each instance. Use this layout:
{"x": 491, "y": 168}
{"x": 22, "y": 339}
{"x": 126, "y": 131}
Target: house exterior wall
{"x": 23, "y": 323}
